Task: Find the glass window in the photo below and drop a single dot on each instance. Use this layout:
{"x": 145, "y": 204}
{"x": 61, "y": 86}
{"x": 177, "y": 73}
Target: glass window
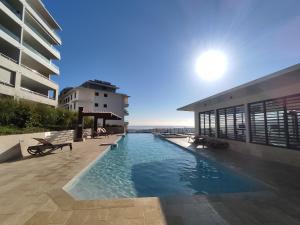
{"x": 96, "y": 105}
{"x": 105, "y": 105}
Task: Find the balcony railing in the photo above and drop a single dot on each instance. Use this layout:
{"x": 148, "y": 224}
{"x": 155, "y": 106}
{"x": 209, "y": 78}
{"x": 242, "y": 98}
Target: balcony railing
{"x": 11, "y": 8}
{"x": 37, "y": 73}
{"x": 6, "y": 83}
{"x": 10, "y": 33}
{"x": 36, "y": 52}
{"x": 36, "y": 93}
{"x": 44, "y": 39}
{"x": 7, "y": 57}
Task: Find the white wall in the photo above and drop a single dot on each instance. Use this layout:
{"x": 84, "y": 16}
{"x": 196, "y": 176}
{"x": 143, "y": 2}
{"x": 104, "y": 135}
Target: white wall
{"x": 289, "y": 85}
{"x": 85, "y": 97}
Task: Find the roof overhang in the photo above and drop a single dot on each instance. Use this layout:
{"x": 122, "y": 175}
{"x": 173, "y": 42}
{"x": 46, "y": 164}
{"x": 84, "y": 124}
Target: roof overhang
{"x": 102, "y": 115}
{"x": 270, "y": 81}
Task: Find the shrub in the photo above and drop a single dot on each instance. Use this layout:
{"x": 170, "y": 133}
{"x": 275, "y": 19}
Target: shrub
{"x": 21, "y": 116}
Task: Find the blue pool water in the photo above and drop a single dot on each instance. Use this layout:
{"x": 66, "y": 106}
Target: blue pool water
{"x": 143, "y": 165}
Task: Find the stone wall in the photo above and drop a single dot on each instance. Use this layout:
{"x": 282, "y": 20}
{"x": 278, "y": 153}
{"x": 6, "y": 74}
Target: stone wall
{"x": 15, "y": 146}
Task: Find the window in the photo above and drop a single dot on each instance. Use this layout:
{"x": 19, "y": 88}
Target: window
{"x": 75, "y": 105}
{"x": 276, "y": 122}
{"x": 231, "y": 123}
{"x": 96, "y": 105}
{"x": 75, "y": 94}
{"x": 105, "y": 95}
{"x": 96, "y": 93}
{"x": 207, "y": 123}
{"x": 105, "y": 105}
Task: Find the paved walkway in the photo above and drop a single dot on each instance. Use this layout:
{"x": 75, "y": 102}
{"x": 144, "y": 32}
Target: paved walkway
{"x": 31, "y": 193}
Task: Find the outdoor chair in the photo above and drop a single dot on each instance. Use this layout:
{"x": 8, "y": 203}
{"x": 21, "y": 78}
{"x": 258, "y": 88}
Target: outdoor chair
{"x": 46, "y": 147}
{"x": 100, "y": 132}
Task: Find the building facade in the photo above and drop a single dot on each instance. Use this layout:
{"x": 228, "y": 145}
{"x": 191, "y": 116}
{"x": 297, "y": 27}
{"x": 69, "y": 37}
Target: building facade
{"x": 96, "y": 96}
{"x": 261, "y": 117}
{"x": 27, "y": 49}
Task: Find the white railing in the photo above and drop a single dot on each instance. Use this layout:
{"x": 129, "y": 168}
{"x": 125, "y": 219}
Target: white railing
{"x": 6, "y": 83}
{"x": 36, "y": 93}
{"x": 7, "y": 57}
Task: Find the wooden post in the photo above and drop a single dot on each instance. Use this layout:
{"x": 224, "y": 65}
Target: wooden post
{"x": 79, "y": 125}
{"x": 95, "y": 124}
{"x": 104, "y": 120}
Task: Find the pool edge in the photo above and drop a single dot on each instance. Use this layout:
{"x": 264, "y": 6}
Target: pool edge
{"x": 74, "y": 180}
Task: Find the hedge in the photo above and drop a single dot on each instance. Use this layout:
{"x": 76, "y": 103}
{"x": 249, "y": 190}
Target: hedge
{"x": 24, "y": 116}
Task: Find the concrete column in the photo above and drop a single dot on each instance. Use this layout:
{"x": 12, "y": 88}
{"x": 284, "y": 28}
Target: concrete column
{"x": 18, "y": 85}
{"x": 247, "y": 119}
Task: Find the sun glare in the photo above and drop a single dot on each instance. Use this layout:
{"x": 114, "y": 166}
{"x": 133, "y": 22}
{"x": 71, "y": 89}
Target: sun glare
{"x": 211, "y": 65}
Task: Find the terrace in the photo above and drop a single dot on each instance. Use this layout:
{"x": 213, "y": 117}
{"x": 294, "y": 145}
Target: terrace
{"x": 35, "y": 195}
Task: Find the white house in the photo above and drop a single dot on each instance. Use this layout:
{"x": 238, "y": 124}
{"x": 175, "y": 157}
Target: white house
{"x": 261, "y": 117}
{"x": 28, "y": 36}
{"x": 96, "y": 96}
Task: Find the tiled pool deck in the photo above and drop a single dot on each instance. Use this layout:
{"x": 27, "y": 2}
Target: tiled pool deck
{"x": 31, "y": 193}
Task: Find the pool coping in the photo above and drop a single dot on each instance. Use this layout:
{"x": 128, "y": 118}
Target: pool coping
{"x": 76, "y": 178}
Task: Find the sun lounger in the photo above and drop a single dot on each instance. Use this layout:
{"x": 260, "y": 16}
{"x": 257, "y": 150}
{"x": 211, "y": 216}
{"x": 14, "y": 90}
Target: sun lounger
{"x": 45, "y": 147}
{"x": 100, "y": 132}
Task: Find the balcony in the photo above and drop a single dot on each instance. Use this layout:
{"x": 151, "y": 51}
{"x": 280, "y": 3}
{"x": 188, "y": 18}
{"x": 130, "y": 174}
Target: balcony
{"x": 11, "y": 34}
{"x": 41, "y": 59}
{"x": 36, "y": 91}
{"x": 30, "y": 31}
{"x": 12, "y": 8}
{"x": 43, "y": 22}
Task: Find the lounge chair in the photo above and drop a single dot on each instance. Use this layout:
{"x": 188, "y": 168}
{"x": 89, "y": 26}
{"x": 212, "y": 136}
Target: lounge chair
{"x": 100, "y": 132}
{"x": 46, "y": 147}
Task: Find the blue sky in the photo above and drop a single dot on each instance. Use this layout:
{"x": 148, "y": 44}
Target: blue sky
{"x": 149, "y": 47}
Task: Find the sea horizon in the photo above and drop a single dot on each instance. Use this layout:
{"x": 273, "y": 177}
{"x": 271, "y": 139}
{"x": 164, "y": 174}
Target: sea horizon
{"x": 141, "y": 127}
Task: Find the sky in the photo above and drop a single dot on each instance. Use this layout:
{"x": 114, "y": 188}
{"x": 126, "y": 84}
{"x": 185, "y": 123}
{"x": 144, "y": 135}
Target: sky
{"x": 149, "y": 48}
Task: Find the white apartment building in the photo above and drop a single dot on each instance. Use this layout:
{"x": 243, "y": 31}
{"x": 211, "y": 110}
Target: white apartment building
{"x": 27, "y": 39}
{"x": 96, "y": 96}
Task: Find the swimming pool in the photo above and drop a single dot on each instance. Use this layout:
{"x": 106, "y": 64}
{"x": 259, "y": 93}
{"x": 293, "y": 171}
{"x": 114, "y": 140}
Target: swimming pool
{"x": 145, "y": 166}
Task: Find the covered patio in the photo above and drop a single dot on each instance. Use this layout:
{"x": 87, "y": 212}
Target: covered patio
{"x": 96, "y": 115}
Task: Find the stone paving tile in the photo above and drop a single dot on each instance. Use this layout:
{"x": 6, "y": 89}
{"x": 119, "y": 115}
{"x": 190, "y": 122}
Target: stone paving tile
{"x": 31, "y": 193}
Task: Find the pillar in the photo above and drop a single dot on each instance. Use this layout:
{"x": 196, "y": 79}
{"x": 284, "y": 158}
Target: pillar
{"x": 79, "y": 125}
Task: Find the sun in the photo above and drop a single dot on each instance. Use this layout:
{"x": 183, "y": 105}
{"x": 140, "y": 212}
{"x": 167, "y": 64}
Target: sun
{"x": 211, "y": 65}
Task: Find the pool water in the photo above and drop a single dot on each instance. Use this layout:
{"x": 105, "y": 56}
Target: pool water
{"x": 145, "y": 166}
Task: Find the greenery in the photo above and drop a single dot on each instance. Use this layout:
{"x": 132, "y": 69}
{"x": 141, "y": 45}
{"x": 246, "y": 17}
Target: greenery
{"x": 27, "y": 117}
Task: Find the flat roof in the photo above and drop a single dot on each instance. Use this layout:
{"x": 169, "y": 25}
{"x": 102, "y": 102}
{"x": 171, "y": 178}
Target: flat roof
{"x": 275, "y": 75}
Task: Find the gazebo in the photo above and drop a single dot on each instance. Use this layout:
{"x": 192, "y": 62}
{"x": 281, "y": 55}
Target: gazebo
{"x": 96, "y": 115}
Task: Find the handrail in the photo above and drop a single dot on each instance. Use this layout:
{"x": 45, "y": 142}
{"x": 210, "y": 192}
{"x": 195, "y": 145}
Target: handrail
{"x": 7, "y": 57}
{"x": 10, "y": 33}
{"x": 36, "y": 93}
{"x": 6, "y": 83}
